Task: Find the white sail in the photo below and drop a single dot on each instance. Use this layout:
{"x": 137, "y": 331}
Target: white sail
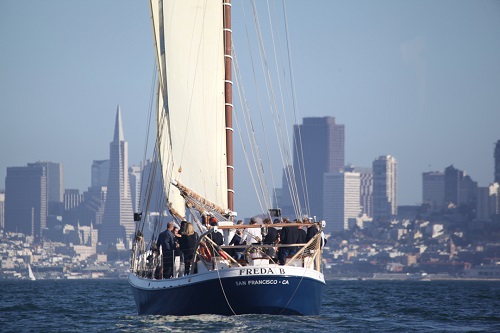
{"x": 31, "y": 276}
{"x": 191, "y": 123}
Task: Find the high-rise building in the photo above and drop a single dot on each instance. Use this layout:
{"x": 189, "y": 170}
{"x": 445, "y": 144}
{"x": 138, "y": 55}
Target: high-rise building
{"x": 99, "y": 173}
{"x": 385, "y": 202}
{"x": 152, "y": 189}
{"x": 488, "y": 203}
{"x": 341, "y": 199}
{"x": 26, "y": 200}
{"x": 468, "y": 191}
{"x": 2, "y": 209}
{"x": 433, "y": 189}
{"x": 365, "y": 188}
{"x": 285, "y": 201}
{"x": 318, "y": 149}
{"x": 135, "y": 186}
{"x": 483, "y": 204}
{"x": 72, "y": 198}
{"x": 55, "y": 186}
{"x": 118, "y": 220}
{"x": 459, "y": 188}
{"x": 452, "y": 180}
{"x": 494, "y": 194}
{"x": 72, "y": 207}
{"x": 496, "y": 156}
{"x": 92, "y": 208}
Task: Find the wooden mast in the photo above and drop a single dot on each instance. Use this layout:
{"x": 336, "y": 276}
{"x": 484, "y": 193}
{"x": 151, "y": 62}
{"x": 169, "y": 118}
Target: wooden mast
{"x": 228, "y": 92}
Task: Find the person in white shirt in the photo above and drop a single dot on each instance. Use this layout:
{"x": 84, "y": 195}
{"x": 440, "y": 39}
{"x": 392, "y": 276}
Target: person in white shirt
{"x": 252, "y": 235}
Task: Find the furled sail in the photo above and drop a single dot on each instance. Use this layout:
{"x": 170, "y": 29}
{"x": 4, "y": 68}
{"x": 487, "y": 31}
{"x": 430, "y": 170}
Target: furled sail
{"x": 190, "y": 112}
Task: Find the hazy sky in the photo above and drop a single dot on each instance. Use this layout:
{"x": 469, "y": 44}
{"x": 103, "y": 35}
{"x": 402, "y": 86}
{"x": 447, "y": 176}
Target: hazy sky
{"x": 419, "y": 80}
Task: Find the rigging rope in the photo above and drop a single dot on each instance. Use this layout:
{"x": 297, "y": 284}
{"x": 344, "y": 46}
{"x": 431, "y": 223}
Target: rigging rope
{"x": 295, "y": 108}
{"x": 280, "y": 123}
{"x": 244, "y": 107}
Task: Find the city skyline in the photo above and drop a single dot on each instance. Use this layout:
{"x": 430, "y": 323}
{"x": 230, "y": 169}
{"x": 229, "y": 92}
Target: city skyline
{"x": 418, "y": 81}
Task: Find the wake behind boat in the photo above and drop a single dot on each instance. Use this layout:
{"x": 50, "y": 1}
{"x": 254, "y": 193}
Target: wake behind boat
{"x": 213, "y": 265}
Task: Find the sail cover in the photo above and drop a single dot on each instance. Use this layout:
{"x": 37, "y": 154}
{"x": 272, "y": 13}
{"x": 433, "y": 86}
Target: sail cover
{"x": 190, "y": 112}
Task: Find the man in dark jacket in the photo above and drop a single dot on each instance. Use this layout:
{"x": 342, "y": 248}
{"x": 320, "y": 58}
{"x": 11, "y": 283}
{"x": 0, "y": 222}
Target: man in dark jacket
{"x": 312, "y": 230}
{"x": 288, "y": 235}
{"x": 270, "y": 238}
{"x": 237, "y": 254}
{"x": 166, "y": 240}
{"x": 216, "y": 236}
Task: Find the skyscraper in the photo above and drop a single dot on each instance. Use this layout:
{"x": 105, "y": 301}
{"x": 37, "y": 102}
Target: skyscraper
{"x": 433, "y": 189}
{"x": 135, "y": 185}
{"x": 99, "y": 173}
{"x": 92, "y": 207}
{"x": 452, "y": 179}
{"x": 365, "y": 188}
{"x": 72, "y": 208}
{"x": 494, "y": 194}
{"x": 285, "y": 201}
{"x": 497, "y": 162}
{"x": 2, "y": 209}
{"x": 55, "y": 186}
{"x": 318, "y": 149}
{"x": 26, "y": 200}
{"x": 488, "y": 203}
{"x": 72, "y": 199}
{"x": 118, "y": 220}
{"x": 341, "y": 199}
{"x": 483, "y": 204}
{"x": 384, "y": 188}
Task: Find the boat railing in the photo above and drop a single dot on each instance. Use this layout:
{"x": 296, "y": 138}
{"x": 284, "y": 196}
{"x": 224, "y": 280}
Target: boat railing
{"x": 302, "y": 254}
{"x": 308, "y": 255}
{"x": 146, "y": 264}
{"x": 210, "y": 256}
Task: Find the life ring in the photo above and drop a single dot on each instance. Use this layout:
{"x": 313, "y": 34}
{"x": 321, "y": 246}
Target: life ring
{"x": 205, "y": 252}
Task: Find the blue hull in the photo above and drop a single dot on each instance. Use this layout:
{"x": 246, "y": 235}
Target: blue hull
{"x": 264, "y": 294}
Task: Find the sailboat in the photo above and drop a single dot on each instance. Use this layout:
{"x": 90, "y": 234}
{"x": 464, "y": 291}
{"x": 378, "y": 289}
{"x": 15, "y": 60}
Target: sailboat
{"x": 193, "y": 155}
{"x": 31, "y": 276}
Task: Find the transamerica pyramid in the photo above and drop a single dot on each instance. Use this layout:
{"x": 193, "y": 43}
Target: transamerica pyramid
{"x": 118, "y": 221}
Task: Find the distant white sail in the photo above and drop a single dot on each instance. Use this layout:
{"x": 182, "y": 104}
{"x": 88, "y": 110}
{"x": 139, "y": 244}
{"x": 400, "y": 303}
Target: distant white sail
{"x": 191, "y": 120}
{"x": 30, "y": 273}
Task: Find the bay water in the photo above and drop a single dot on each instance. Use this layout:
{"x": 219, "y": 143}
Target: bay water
{"x": 348, "y": 306}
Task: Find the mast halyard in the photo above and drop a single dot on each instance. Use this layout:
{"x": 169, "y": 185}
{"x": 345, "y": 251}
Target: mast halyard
{"x": 228, "y": 93}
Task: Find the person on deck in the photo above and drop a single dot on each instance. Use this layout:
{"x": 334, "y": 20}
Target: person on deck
{"x": 271, "y": 238}
{"x": 288, "y": 235}
{"x": 166, "y": 240}
{"x": 252, "y": 235}
{"x": 187, "y": 244}
{"x": 177, "y": 239}
{"x": 237, "y": 254}
{"x": 312, "y": 230}
{"x": 216, "y": 236}
{"x": 302, "y": 235}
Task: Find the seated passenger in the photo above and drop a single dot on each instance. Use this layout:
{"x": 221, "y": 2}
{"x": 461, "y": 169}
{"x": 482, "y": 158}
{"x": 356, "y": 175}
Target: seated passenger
{"x": 236, "y": 240}
{"x": 216, "y": 236}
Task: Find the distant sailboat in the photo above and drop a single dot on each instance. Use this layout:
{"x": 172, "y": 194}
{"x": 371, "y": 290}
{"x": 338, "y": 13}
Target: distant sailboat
{"x": 194, "y": 152}
{"x": 31, "y": 276}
